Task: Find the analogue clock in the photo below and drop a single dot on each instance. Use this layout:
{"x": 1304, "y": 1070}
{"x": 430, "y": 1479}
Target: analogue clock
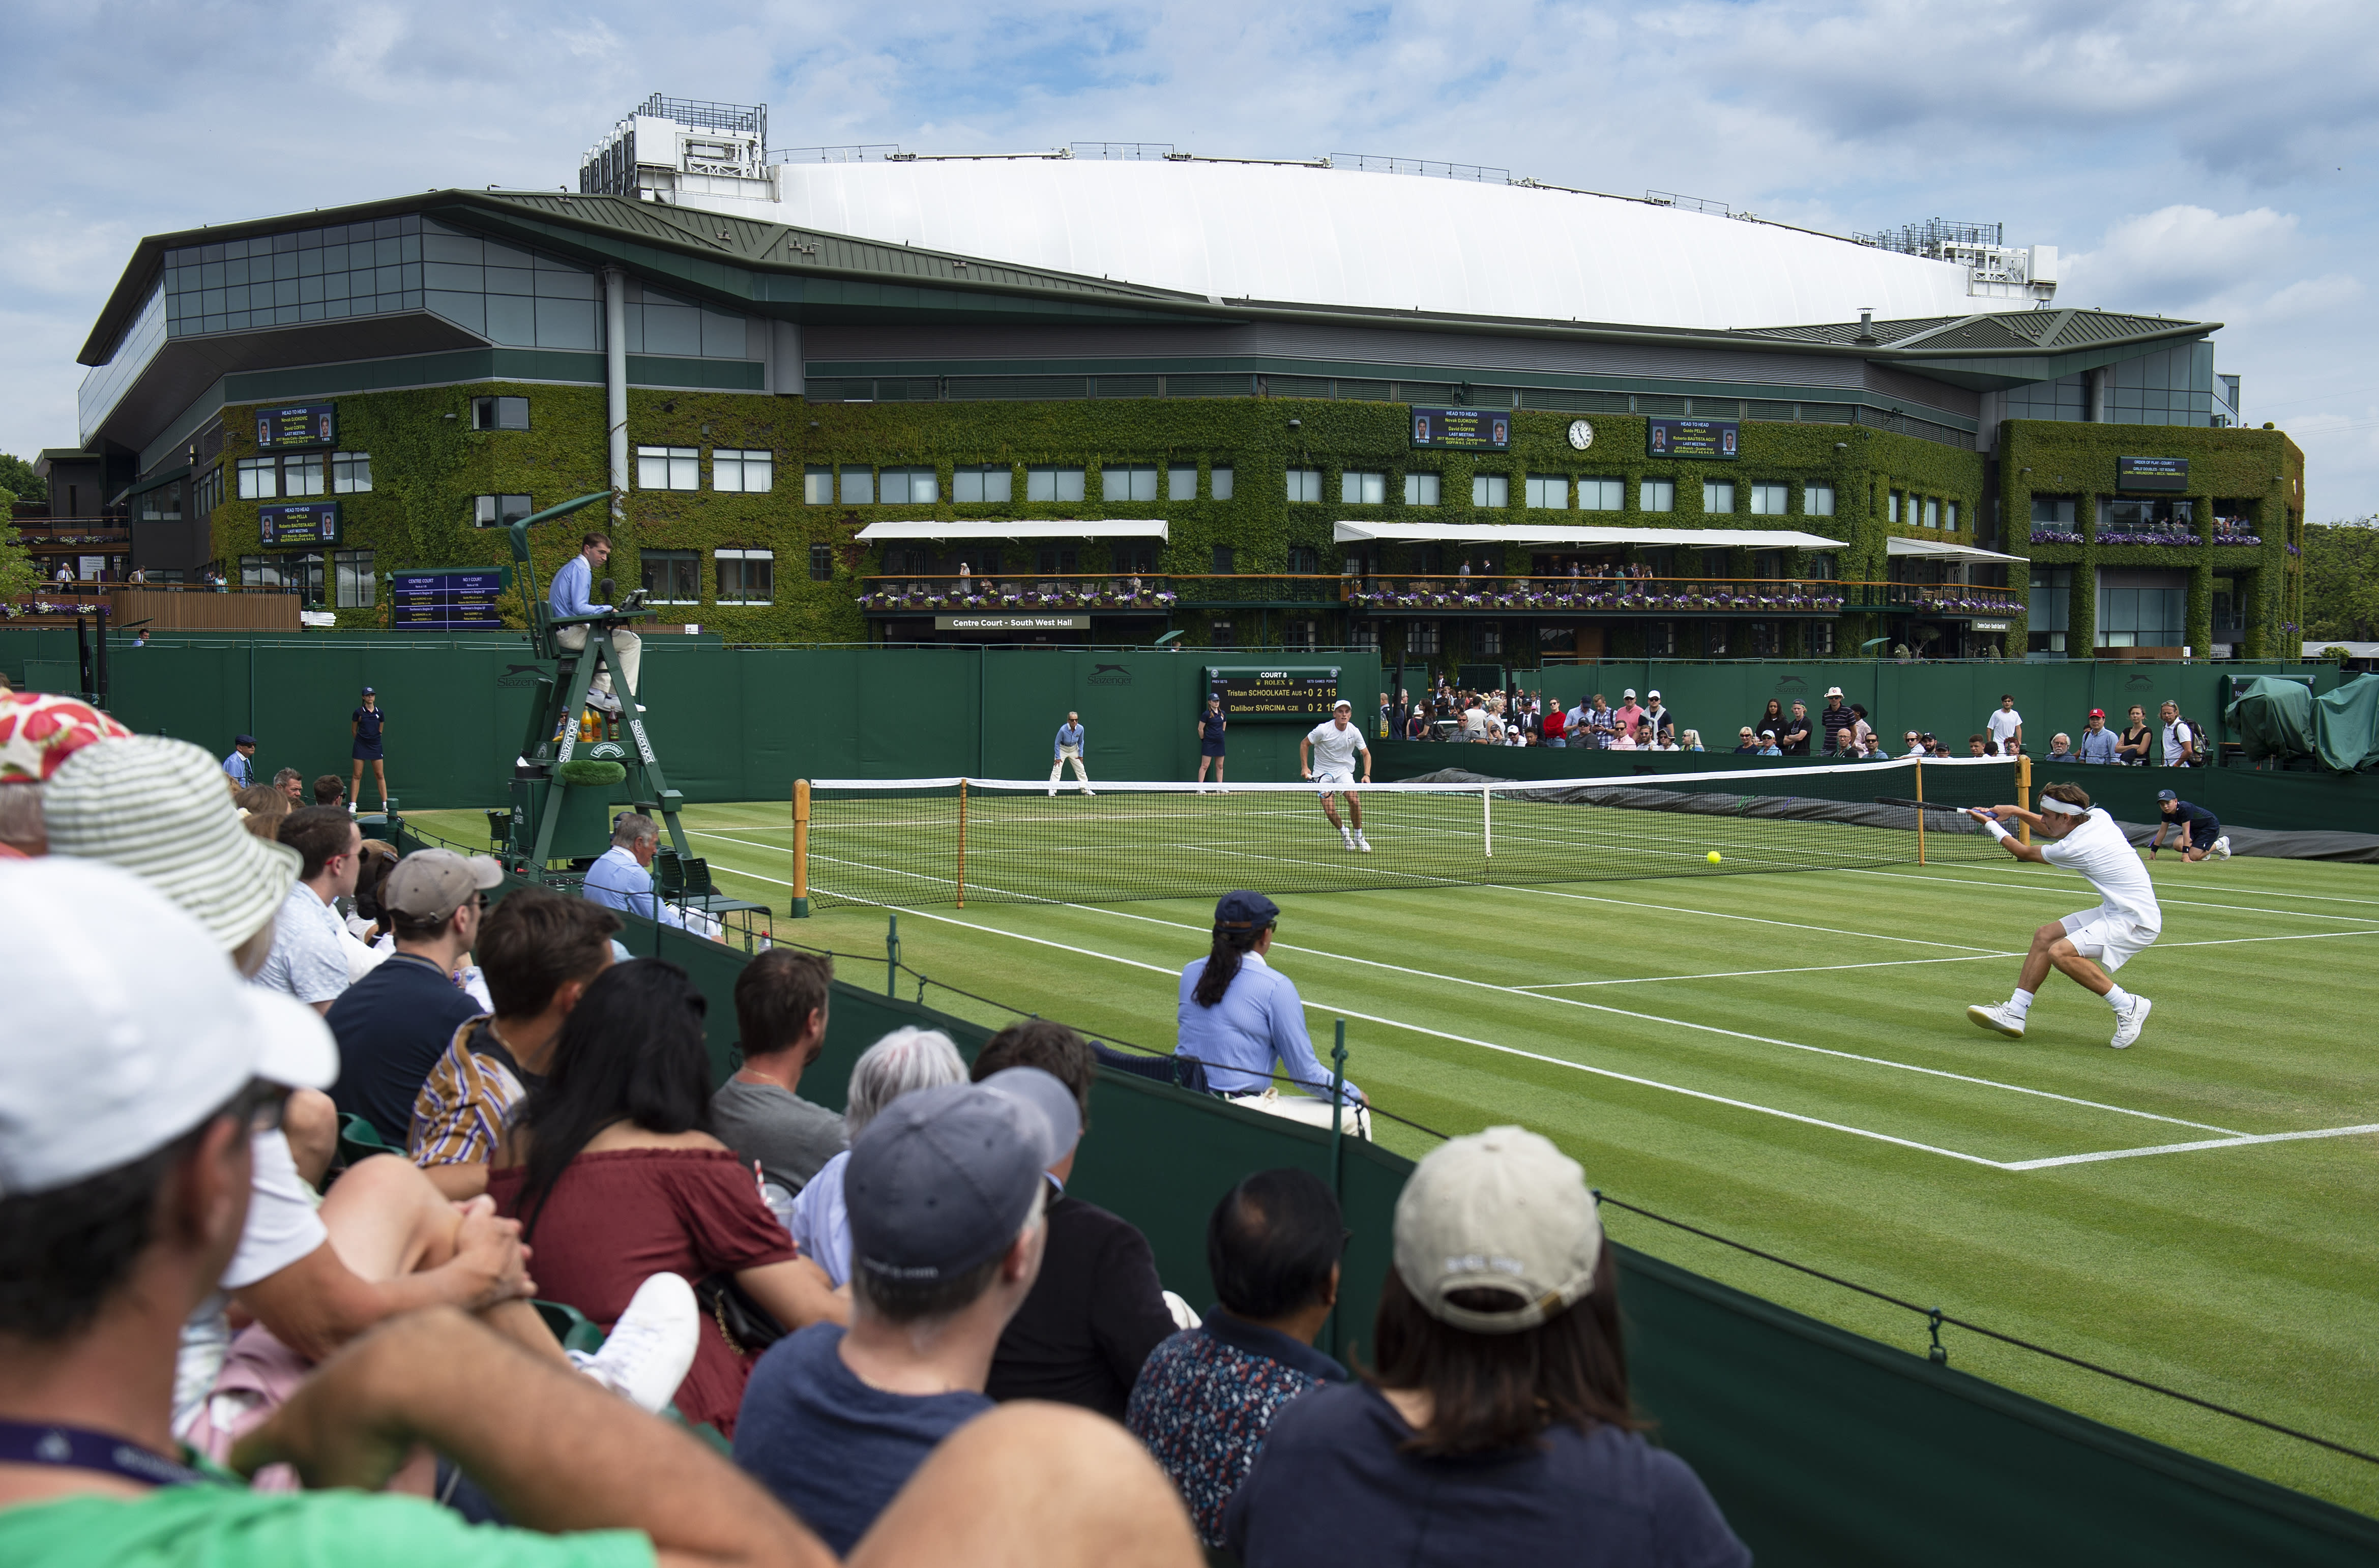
{"x": 1581, "y": 434}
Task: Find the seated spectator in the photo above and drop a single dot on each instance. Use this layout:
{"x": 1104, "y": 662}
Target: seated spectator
{"x": 371, "y": 930}
{"x": 1097, "y": 1311}
{"x": 946, "y": 1229}
{"x": 2132, "y": 749}
{"x": 1746, "y": 740}
{"x": 2060, "y": 748}
{"x": 292, "y": 785}
{"x": 1981, "y": 747}
{"x": 1768, "y": 747}
{"x": 1693, "y": 739}
{"x": 540, "y": 952}
{"x": 1208, "y": 1395}
{"x": 781, "y": 1004}
{"x": 620, "y": 879}
{"x": 330, "y": 791}
{"x": 1623, "y": 741}
{"x": 308, "y": 961}
{"x": 37, "y": 733}
{"x": 395, "y": 1023}
{"x": 611, "y": 1168}
{"x": 903, "y": 1062}
{"x": 262, "y": 808}
{"x": 121, "y": 1214}
{"x": 1498, "y": 1413}
{"x": 1914, "y": 742}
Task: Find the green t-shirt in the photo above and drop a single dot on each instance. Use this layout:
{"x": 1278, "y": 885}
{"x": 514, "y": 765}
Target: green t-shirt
{"x": 219, "y": 1526}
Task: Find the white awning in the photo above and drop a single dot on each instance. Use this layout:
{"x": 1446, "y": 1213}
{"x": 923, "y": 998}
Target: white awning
{"x": 1934, "y": 549}
{"x": 1016, "y": 529}
{"x": 1555, "y": 534}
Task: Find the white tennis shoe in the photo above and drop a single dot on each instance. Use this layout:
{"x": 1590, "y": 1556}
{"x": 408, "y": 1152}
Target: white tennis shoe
{"x": 1362, "y": 843}
{"x": 1997, "y": 1018}
{"x": 2128, "y": 1022}
{"x": 2222, "y": 848}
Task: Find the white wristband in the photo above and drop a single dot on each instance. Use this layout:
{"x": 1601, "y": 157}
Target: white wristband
{"x": 1996, "y": 831}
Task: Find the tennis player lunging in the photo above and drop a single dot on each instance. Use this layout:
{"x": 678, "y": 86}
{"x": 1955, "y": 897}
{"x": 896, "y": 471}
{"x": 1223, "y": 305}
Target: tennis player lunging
{"x": 2117, "y": 931}
{"x": 1326, "y": 754}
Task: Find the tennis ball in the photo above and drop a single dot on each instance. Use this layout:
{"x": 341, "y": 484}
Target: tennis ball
{"x": 1713, "y": 857}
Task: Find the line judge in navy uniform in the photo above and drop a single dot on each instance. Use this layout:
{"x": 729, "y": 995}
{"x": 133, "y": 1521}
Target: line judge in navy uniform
{"x": 365, "y": 724}
{"x": 1239, "y": 1015}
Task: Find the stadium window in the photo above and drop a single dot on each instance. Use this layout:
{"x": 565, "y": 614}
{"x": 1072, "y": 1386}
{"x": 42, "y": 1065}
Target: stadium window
{"x": 1549, "y": 492}
{"x": 1300, "y": 634}
{"x": 821, "y": 563}
{"x": 1305, "y": 484}
{"x": 1601, "y": 495}
{"x": 352, "y": 573}
{"x": 979, "y": 482}
{"x": 1421, "y": 489}
{"x": 1182, "y": 482}
{"x": 1656, "y": 495}
{"x": 669, "y": 468}
{"x": 744, "y": 473}
{"x": 499, "y": 511}
{"x": 1817, "y": 639}
{"x": 350, "y": 472}
{"x": 1718, "y": 495}
{"x": 1490, "y": 489}
{"x": 1818, "y": 500}
{"x": 1222, "y": 560}
{"x": 302, "y": 475}
{"x": 1367, "y": 636}
{"x": 858, "y": 485}
{"x": 208, "y": 492}
{"x": 500, "y": 414}
{"x": 1358, "y": 487}
{"x": 817, "y": 485}
{"x": 1222, "y": 634}
{"x": 1823, "y": 567}
{"x": 1128, "y": 482}
{"x": 1660, "y": 639}
{"x": 1891, "y": 507}
{"x": 1047, "y": 482}
{"x": 259, "y": 478}
{"x": 1056, "y": 562}
{"x": 1932, "y": 513}
{"x": 672, "y": 576}
{"x": 1131, "y": 555}
{"x": 1949, "y": 517}
{"x": 747, "y": 576}
{"x": 1487, "y": 638}
{"x": 1770, "y": 501}
{"x": 1220, "y": 482}
{"x": 1420, "y": 637}
{"x": 1304, "y": 561}
{"x": 1717, "y": 564}
{"x": 910, "y": 486}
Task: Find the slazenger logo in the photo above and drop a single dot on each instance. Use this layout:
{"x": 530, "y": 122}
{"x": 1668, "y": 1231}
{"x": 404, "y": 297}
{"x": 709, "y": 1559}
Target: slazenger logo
{"x": 520, "y": 675}
{"x": 1110, "y": 675}
{"x": 607, "y": 751}
{"x": 1792, "y": 684}
{"x": 2139, "y": 683}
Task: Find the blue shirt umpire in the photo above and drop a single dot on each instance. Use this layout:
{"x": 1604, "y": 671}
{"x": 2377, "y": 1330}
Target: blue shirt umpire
{"x": 1258, "y": 1019}
{"x": 618, "y": 880}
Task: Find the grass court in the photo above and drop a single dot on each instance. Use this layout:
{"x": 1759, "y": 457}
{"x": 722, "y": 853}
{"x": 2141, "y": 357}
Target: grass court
{"x": 1784, "y": 1059}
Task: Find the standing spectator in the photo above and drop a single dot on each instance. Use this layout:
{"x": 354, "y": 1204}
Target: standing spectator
{"x": 1793, "y": 739}
{"x": 1498, "y": 1417}
{"x": 2132, "y": 750}
{"x": 308, "y": 961}
{"x": 2060, "y": 748}
{"x": 329, "y": 791}
{"x": 621, "y": 878}
{"x": 1627, "y": 715}
{"x": 1601, "y": 724}
{"x": 1863, "y": 730}
{"x": 1212, "y": 724}
{"x": 568, "y": 597}
{"x": 901, "y": 1063}
{"x": 2098, "y": 744}
{"x": 396, "y": 1022}
{"x": 291, "y": 784}
{"x": 781, "y": 1007}
{"x": 947, "y": 1231}
{"x": 1069, "y": 750}
{"x": 2183, "y": 746}
{"x": 1771, "y": 720}
{"x": 1663, "y": 719}
{"x": 2006, "y": 726}
{"x": 1097, "y": 1308}
{"x": 611, "y": 1168}
{"x": 239, "y": 766}
{"x": 1556, "y": 725}
{"x": 1209, "y": 1394}
{"x": 540, "y": 952}
{"x": 1836, "y": 719}
{"x": 365, "y": 726}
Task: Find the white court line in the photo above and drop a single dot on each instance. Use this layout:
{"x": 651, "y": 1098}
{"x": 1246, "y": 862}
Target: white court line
{"x": 1996, "y": 887}
{"x": 2189, "y": 1148}
{"x": 1756, "y": 920}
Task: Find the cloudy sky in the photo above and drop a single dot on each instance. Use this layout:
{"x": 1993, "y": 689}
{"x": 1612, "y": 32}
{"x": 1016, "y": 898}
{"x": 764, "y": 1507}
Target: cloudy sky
{"x": 2200, "y": 158}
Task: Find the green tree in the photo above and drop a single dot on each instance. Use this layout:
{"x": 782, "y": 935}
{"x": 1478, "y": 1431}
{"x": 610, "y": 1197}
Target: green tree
{"x": 19, "y": 575}
{"x": 18, "y": 474}
{"x": 2341, "y": 592}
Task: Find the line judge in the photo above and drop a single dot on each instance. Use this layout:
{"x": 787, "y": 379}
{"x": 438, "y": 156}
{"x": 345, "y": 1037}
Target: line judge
{"x": 1238, "y": 1016}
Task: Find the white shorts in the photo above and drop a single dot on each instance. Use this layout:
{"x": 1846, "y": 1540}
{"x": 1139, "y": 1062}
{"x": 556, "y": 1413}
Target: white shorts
{"x": 2109, "y": 936}
{"x": 1328, "y": 781}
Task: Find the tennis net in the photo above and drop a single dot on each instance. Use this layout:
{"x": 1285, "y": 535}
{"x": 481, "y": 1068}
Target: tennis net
{"x": 919, "y": 842}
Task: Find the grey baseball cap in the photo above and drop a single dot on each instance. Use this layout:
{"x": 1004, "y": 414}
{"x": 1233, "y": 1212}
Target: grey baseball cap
{"x": 433, "y": 884}
{"x": 942, "y": 1179}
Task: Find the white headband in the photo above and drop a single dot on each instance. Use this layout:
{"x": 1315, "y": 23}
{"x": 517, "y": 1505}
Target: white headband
{"x": 2062, "y": 808}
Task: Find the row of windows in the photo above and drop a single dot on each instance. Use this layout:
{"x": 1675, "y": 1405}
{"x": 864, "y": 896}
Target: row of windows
{"x": 1921, "y": 511}
{"x": 303, "y": 473}
{"x": 351, "y": 576}
{"x": 743, "y": 577}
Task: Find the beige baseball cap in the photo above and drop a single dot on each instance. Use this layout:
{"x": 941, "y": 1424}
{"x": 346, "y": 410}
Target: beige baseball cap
{"x": 1499, "y": 1209}
{"x": 432, "y": 884}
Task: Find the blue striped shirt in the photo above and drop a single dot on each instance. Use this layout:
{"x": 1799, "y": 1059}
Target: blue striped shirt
{"x": 1259, "y": 1020}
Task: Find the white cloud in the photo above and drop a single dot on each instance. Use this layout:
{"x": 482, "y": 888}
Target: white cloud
{"x": 2178, "y": 256}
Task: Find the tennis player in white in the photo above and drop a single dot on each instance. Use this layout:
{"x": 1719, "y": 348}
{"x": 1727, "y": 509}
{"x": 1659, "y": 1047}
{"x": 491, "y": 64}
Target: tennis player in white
{"x": 1325, "y": 753}
{"x": 2117, "y": 931}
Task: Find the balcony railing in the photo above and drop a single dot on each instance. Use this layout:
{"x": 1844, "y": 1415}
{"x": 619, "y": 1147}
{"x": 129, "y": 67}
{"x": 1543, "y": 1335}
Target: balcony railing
{"x": 75, "y": 533}
{"x": 1114, "y": 593}
{"x": 2227, "y": 531}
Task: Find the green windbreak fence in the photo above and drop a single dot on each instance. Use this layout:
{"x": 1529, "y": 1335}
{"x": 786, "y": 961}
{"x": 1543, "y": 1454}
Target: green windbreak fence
{"x": 1824, "y": 1448}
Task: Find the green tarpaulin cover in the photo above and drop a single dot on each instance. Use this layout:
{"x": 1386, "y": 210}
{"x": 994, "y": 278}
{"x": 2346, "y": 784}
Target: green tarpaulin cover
{"x": 2275, "y": 716}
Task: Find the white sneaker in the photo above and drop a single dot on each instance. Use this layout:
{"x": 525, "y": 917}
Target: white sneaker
{"x": 649, "y": 1350}
{"x": 601, "y": 701}
{"x": 1362, "y": 843}
{"x": 1997, "y": 1018}
{"x": 1346, "y": 838}
{"x": 2222, "y": 848}
{"x": 2129, "y": 1022}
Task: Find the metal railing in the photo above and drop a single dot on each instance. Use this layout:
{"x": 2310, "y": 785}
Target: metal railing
{"x": 1120, "y": 593}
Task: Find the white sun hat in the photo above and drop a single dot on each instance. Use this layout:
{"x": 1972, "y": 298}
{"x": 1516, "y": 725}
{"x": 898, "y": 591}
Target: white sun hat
{"x": 159, "y": 809}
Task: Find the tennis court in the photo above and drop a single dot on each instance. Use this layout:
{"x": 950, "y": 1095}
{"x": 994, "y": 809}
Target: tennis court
{"x": 1783, "y": 1060}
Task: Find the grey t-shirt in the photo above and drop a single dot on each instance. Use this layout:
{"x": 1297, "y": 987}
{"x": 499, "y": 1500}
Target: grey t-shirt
{"x": 308, "y": 962}
{"x": 789, "y": 1135}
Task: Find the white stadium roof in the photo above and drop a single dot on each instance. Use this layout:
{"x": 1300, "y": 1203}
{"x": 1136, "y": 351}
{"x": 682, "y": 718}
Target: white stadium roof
{"x": 1017, "y": 528}
{"x": 1556, "y": 534}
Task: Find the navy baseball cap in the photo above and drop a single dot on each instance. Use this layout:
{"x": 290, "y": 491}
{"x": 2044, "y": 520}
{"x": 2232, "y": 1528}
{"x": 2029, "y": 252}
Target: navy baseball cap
{"x": 2168, "y": 794}
{"x": 368, "y": 691}
{"x": 942, "y": 1179}
{"x": 243, "y": 739}
{"x": 1244, "y": 910}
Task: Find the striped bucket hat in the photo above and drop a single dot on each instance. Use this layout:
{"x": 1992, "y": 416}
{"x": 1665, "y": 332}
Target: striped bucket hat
{"x": 158, "y": 808}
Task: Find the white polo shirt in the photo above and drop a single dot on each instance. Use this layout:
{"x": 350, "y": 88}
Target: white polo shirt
{"x": 1334, "y": 749}
{"x": 2097, "y": 849}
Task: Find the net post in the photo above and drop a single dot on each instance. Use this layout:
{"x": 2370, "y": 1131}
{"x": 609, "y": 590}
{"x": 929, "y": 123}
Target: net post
{"x": 891, "y": 953}
{"x": 1487, "y": 819}
{"x": 962, "y": 793}
{"x": 1919, "y": 770}
{"x": 2023, "y": 794}
{"x": 1338, "y": 1158}
{"x": 801, "y": 849}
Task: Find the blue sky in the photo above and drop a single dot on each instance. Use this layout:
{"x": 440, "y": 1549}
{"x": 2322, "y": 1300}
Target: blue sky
{"x": 2209, "y": 160}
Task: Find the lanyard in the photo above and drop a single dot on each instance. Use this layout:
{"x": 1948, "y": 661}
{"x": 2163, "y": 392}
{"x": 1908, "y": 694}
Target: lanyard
{"x": 26, "y": 1442}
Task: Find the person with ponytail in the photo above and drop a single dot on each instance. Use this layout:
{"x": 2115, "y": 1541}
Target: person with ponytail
{"x": 1238, "y": 1016}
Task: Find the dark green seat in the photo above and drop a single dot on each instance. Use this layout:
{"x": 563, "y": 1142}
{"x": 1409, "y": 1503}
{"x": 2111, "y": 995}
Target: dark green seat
{"x": 574, "y": 1328}
{"x": 359, "y": 1141}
